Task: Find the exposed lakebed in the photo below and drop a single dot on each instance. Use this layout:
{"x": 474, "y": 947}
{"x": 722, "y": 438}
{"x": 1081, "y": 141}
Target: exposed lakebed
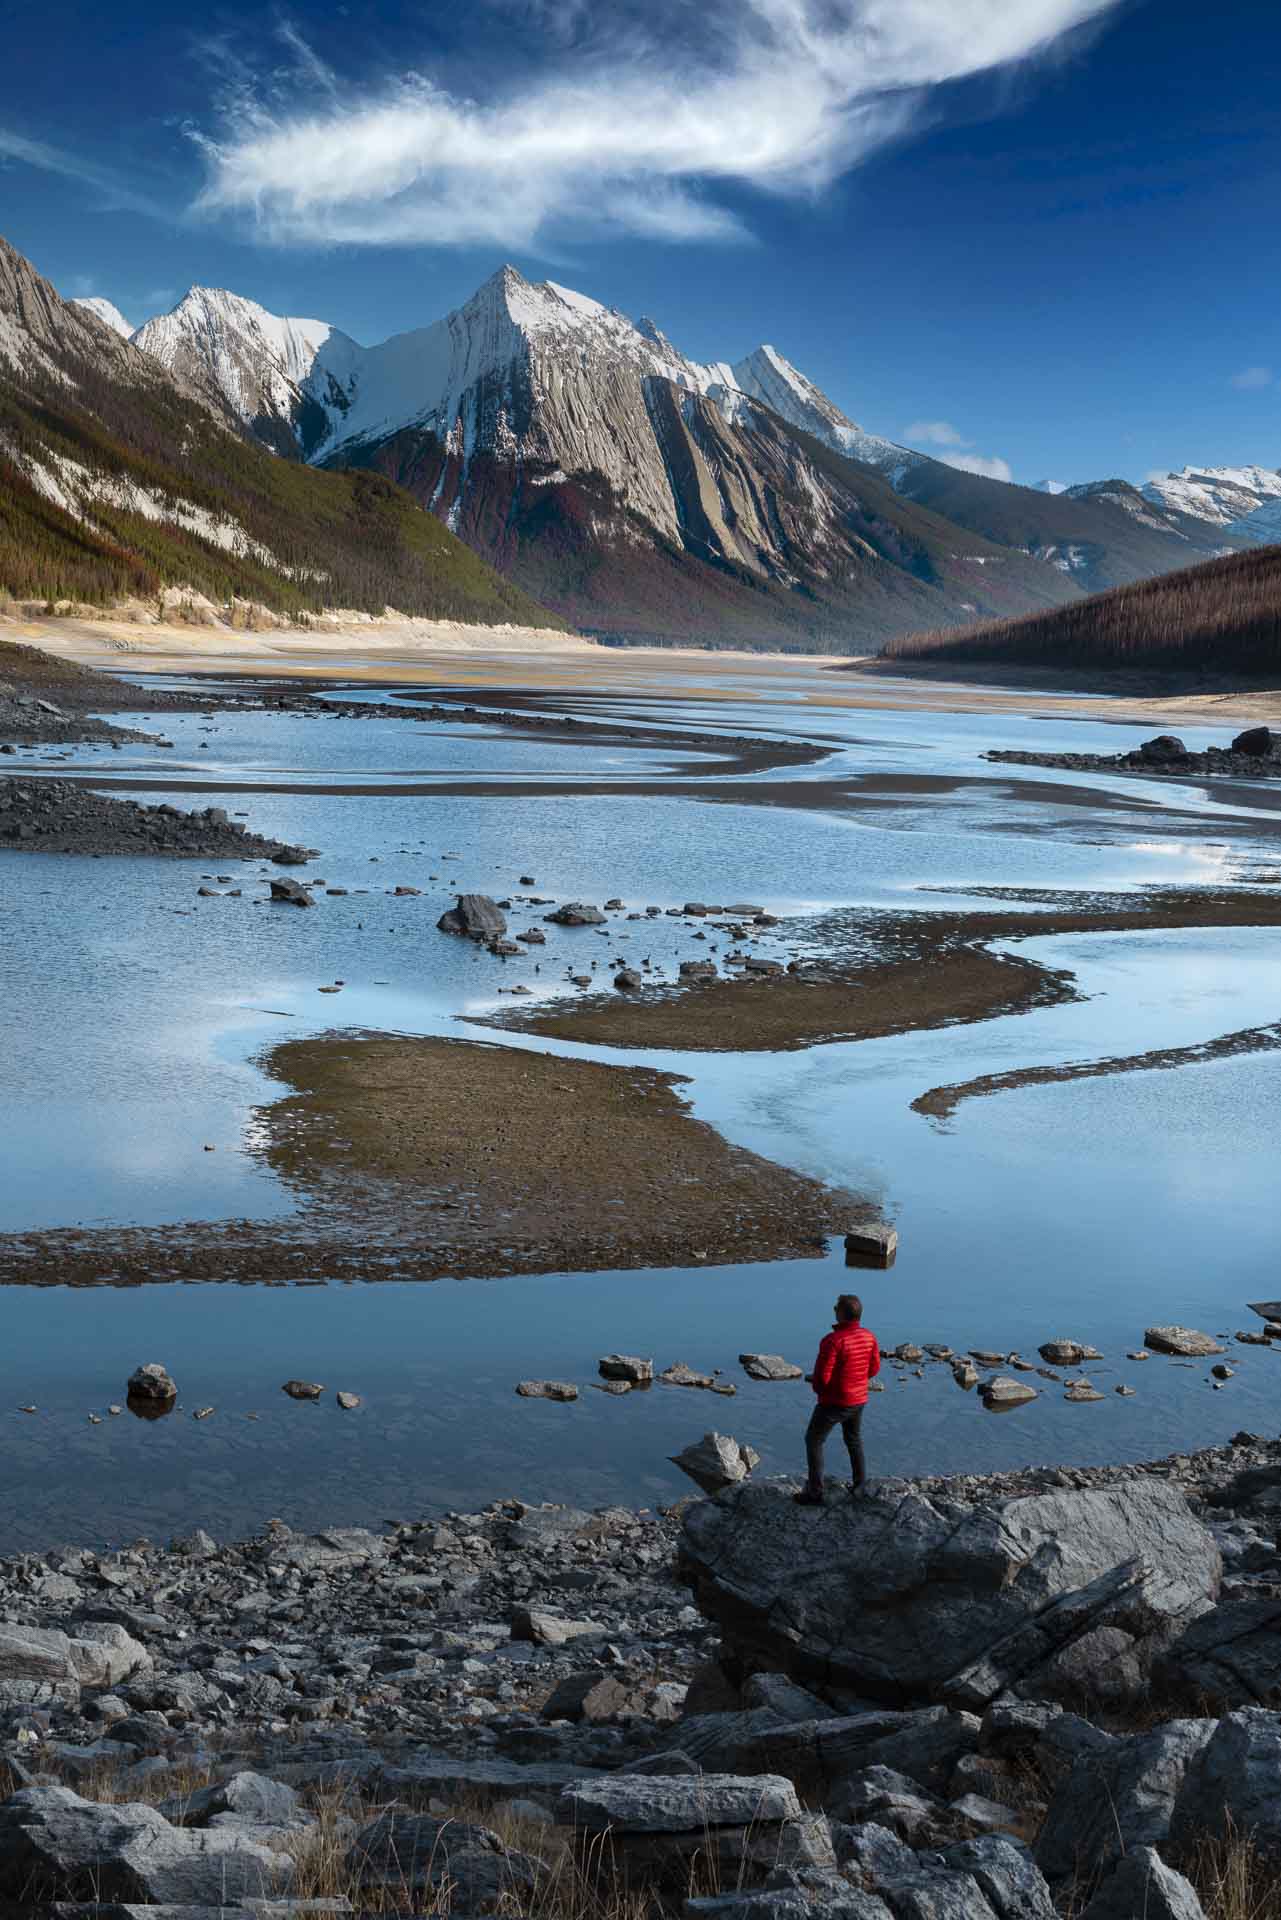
{"x": 1089, "y": 1206}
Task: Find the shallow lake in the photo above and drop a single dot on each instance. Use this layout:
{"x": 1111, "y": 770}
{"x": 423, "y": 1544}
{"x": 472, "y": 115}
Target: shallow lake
{"x": 1091, "y": 1208}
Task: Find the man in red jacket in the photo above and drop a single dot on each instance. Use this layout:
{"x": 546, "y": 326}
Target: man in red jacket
{"x": 847, "y": 1360}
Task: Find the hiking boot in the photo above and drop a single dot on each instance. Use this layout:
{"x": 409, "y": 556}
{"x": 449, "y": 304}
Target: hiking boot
{"x": 807, "y": 1499}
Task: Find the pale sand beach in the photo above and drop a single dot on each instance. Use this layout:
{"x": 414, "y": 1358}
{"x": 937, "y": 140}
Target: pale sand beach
{"x": 451, "y": 653}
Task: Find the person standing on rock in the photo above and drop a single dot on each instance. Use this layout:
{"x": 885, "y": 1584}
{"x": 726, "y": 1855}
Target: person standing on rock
{"x": 847, "y": 1359}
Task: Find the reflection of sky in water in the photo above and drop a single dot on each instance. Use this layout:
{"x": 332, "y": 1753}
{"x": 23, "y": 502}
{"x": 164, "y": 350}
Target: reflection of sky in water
{"x": 1091, "y": 1208}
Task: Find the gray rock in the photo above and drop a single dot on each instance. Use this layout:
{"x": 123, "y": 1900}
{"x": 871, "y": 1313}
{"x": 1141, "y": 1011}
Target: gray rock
{"x": 1144, "y": 1888}
{"x": 151, "y": 1382}
{"x": 1184, "y": 1341}
{"x": 888, "y": 1799}
{"x": 627, "y": 980}
{"x": 547, "y": 1390}
{"x": 414, "y": 1853}
{"x": 874, "y": 1241}
{"x": 1235, "y": 1783}
{"x": 649, "y": 1803}
{"x": 904, "y": 1594}
{"x": 1067, "y": 1353}
{"x": 1012, "y": 1727}
{"x": 783, "y": 1697}
{"x": 251, "y": 1797}
{"x": 303, "y": 1389}
{"x": 290, "y": 893}
{"x": 55, "y": 1845}
{"x": 476, "y": 916}
{"x": 33, "y": 1659}
{"x": 1260, "y": 743}
{"x": 1001, "y": 1394}
{"x": 1121, "y": 1798}
{"x": 1230, "y": 1657}
{"x": 716, "y": 1461}
{"x": 1164, "y": 746}
{"x": 626, "y": 1366}
{"x": 1011, "y": 1882}
{"x": 575, "y": 914}
{"x": 769, "y": 1366}
{"x": 791, "y": 1894}
{"x": 550, "y": 1629}
{"x": 878, "y": 1855}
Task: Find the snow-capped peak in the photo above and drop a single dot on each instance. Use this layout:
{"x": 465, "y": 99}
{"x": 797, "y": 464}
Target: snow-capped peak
{"x": 104, "y": 311}
{"x": 1217, "y": 494}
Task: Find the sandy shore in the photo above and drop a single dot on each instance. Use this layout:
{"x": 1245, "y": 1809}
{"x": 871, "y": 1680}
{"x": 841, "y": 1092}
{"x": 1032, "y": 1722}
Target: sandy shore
{"x": 444, "y": 652}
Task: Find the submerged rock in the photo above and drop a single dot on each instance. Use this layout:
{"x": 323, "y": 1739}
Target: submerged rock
{"x": 769, "y": 1366}
{"x": 1185, "y": 1341}
{"x": 475, "y": 915}
{"x": 152, "y": 1382}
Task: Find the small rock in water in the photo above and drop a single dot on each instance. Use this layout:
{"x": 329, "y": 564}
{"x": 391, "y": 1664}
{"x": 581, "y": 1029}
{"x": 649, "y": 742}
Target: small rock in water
{"x": 681, "y": 1375}
{"x": 347, "y": 1401}
{"x": 303, "y": 1389}
{"x": 202, "y": 1413}
{"x": 626, "y": 1366}
{"x": 1002, "y": 1395}
{"x": 965, "y": 1374}
{"x": 151, "y": 1382}
{"x": 291, "y": 893}
{"x": 875, "y": 1242}
{"x": 1124, "y": 1391}
{"x": 1181, "y": 1340}
{"x": 769, "y": 1366}
{"x": 1222, "y": 1372}
{"x": 546, "y": 1390}
{"x": 716, "y": 1461}
{"x": 1068, "y": 1353}
{"x": 1082, "y": 1390}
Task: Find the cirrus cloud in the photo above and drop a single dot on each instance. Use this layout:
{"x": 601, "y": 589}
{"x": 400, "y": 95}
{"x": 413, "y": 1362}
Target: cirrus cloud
{"x": 954, "y": 450}
{"x": 621, "y": 124}
{"x": 1251, "y": 379}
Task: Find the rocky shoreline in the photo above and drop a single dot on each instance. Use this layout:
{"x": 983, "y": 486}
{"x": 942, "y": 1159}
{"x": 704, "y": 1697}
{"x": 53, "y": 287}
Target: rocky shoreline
{"x": 1254, "y": 754}
{"x": 991, "y": 1698}
{"x": 65, "y": 816}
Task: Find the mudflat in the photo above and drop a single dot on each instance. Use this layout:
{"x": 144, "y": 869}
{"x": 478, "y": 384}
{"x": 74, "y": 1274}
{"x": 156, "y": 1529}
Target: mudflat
{"x": 415, "y": 1158}
{"x": 885, "y": 974}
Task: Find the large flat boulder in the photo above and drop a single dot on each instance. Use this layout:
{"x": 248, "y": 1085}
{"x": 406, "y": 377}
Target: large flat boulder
{"x": 919, "y": 1593}
{"x": 54, "y": 1845}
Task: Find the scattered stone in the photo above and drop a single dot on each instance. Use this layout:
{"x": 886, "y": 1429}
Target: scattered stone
{"x": 575, "y": 914}
{"x": 549, "y": 1629}
{"x": 1081, "y": 1390}
{"x": 769, "y": 1366}
{"x": 303, "y": 1389}
{"x": 626, "y": 1366}
{"x": 1220, "y": 1371}
{"x": 1002, "y": 1395}
{"x": 474, "y": 915}
{"x": 546, "y": 1390}
{"x": 348, "y": 1401}
{"x": 716, "y": 1461}
{"x": 291, "y": 893}
{"x": 966, "y": 1374}
{"x": 152, "y": 1382}
{"x": 1185, "y": 1341}
{"x": 1142, "y": 1887}
{"x": 1067, "y": 1353}
{"x": 874, "y": 1241}
{"x": 681, "y": 1375}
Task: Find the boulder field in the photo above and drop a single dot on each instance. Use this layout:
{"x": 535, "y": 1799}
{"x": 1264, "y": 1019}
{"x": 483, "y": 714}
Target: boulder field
{"x": 996, "y": 1699}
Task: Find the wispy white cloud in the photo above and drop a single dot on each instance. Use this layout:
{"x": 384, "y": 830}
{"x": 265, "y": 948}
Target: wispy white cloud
{"x": 619, "y": 125}
{"x": 1250, "y": 379}
{"x": 112, "y": 193}
{"x": 953, "y": 449}
{"x": 934, "y": 433}
{"x": 992, "y": 466}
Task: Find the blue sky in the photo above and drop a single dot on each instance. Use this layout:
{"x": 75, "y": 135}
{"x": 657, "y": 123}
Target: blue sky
{"x": 1039, "y": 233}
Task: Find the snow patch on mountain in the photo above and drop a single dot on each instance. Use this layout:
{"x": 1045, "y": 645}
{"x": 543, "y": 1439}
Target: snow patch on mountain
{"x": 1262, "y": 526}
{"x": 106, "y": 312}
{"x": 1220, "y": 495}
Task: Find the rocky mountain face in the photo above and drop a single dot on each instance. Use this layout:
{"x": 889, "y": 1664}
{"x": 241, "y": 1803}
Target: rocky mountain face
{"x": 122, "y": 477}
{"x": 1221, "y": 496}
{"x": 639, "y": 492}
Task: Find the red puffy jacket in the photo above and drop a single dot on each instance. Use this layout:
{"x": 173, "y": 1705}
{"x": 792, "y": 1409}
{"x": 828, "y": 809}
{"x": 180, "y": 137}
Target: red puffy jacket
{"x": 847, "y": 1359}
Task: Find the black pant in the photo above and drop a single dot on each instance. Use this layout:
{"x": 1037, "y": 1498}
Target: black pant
{"x": 850, "y": 1422}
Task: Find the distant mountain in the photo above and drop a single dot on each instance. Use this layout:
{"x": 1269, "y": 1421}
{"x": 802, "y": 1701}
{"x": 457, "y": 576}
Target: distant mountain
{"x": 1217, "y": 620}
{"x": 646, "y": 495}
{"x": 1217, "y": 495}
{"x": 1262, "y": 527}
{"x": 105, "y": 311}
{"x": 119, "y": 478}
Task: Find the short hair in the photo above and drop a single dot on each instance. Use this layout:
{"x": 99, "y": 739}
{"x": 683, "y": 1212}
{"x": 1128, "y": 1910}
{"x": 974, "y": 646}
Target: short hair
{"x": 849, "y": 1307}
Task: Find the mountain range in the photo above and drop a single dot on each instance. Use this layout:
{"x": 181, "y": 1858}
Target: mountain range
{"x": 583, "y": 461}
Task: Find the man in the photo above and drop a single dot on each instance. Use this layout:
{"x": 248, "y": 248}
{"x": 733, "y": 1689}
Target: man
{"x": 847, "y": 1360}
